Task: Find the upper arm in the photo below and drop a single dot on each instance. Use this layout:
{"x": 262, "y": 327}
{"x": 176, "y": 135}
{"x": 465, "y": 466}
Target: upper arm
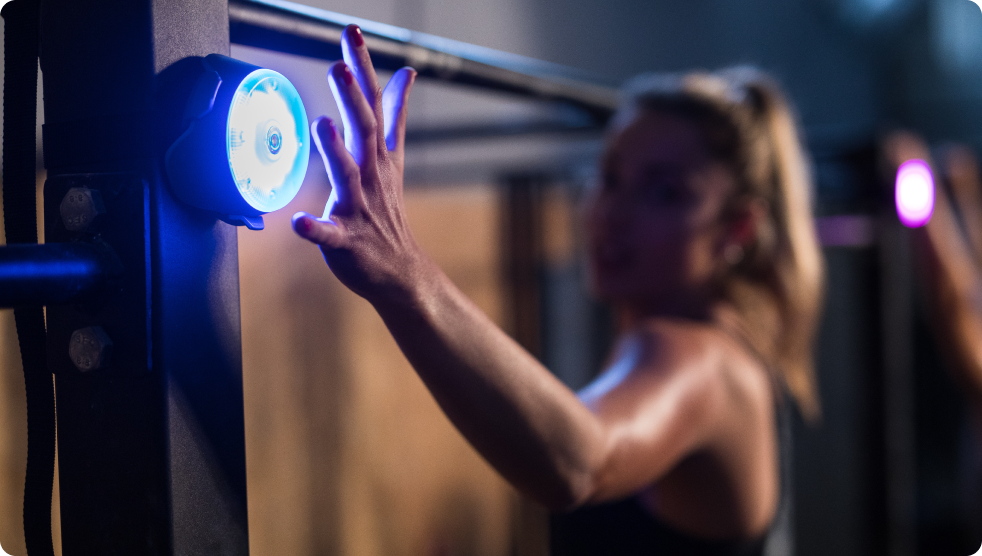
{"x": 655, "y": 405}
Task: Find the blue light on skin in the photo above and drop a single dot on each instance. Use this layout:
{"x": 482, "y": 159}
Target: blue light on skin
{"x": 268, "y": 140}
{"x": 914, "y": 193}
{"x": 628, "y": 357}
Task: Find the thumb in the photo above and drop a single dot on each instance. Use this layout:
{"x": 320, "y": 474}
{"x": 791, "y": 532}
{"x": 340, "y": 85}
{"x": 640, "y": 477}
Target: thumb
{"x": 323, "y": 232}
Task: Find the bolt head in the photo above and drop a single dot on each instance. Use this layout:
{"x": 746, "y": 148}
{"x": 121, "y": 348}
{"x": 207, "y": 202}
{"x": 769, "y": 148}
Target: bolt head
{"x": 90, "y": 348}
{"x": 80, "y": 208}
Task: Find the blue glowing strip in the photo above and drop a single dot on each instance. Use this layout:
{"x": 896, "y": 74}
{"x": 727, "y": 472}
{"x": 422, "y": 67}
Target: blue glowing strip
{"x": 33, "y": 270}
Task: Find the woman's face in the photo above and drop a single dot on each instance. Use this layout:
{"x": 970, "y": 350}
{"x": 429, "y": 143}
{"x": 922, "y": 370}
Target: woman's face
{"x": 655, "y": 227}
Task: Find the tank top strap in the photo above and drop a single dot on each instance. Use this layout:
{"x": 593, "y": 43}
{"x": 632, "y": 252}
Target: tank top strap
{"x": 780, "y": 537}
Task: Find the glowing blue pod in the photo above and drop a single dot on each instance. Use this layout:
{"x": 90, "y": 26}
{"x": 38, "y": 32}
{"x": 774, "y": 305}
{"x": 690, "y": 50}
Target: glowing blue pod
{"x": 245, "y": 150}
{"x": 268, "y": 140}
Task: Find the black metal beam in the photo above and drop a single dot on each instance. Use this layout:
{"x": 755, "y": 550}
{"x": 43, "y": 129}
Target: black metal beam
{"x": 296, "y": 29}
{"x": 481, "y": 132}
{"x": 151, "y": 446}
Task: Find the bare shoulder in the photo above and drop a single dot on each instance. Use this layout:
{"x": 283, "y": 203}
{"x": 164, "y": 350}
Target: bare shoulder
{"x": 655, "y": 354}
{"x": 673, "y": 388}
{"x": 715, "y": 367}
{"x": 667, "y": 366}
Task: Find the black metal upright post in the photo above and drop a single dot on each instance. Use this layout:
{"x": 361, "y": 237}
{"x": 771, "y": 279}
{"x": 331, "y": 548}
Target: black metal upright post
{"x": 899, "y": 427}
{"x": 149, "y": 380}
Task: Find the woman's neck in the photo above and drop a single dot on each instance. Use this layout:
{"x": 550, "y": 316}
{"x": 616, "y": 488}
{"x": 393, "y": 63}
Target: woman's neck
{"x": 630, "y": 317}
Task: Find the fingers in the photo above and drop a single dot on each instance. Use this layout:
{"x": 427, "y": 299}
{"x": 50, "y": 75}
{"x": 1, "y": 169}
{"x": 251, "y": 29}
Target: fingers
{"x": 341, "y": 168}
{"x": 329, "y": 235}
{"x": 941, "y": 243}
{"x": 394, "y": 108}
{"x": 903, "y": 146}
{"x": 356, "y": 55}
{"x": 360, "y": 123}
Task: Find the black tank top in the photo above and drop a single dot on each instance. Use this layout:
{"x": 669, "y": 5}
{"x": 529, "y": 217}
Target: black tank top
{"x": 626, "y": 528}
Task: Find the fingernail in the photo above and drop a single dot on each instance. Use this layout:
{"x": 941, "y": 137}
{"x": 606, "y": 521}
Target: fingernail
{"x": 324, "y": 128}
{"x": 357, "y": 36}
{"x": 346, "y": 74}
{"x": 305, "y": 224}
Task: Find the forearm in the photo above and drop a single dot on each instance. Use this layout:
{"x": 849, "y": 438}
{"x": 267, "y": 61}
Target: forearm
{"x": 956, "y": 288}
{"x": 522, "y": 420}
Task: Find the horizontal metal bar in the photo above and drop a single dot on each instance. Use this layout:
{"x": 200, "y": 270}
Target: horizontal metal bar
{"x": 53, "y": 274}
{"x": 296, "y": 29}
{"x": 477, "y": 131}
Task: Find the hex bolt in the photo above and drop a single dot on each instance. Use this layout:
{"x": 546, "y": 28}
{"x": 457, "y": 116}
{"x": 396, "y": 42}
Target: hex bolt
{"x": 80, "y": 208}
{"x": 90, "y": 348}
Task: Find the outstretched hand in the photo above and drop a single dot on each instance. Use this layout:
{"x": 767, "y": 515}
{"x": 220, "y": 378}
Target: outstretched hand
{"x": 948, "y": 254}
{"x": 363, "y": 232}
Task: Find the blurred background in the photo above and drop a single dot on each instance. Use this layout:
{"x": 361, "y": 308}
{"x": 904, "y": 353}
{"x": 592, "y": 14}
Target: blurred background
{"x": 347, "y": 454}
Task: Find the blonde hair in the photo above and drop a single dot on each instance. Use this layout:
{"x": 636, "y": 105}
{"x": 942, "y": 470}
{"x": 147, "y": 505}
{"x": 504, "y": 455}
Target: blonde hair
{"x": 777, "y": 287}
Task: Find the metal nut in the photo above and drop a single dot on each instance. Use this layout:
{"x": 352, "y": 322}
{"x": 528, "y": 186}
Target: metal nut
{"x": 80, "y": 208}
{"x": 90, "y": 348}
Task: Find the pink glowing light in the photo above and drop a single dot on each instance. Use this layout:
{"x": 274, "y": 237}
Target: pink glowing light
{"x": 915, "y": 193}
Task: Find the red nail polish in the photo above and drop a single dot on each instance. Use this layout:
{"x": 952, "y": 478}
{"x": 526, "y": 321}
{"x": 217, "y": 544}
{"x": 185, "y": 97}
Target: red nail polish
{"x": 346, "y": 74}
{"x": 333, "y": 130}
{"x": 305, "y": 224}
{"x": 357, "y": 36}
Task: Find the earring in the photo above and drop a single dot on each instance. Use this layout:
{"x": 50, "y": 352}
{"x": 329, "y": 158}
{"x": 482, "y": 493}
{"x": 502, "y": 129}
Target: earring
{"x": 733, "y": 254}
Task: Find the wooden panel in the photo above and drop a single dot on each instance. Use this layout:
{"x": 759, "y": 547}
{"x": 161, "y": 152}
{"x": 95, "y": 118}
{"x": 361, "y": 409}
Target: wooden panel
{"x": 347, "y": 452}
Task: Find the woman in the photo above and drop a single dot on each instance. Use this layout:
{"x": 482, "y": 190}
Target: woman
{"x": 701, "y": 239}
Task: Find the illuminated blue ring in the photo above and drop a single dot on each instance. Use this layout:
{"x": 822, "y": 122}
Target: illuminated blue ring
{"x": 274, "y": 140}
{"x": 267, "y": 177}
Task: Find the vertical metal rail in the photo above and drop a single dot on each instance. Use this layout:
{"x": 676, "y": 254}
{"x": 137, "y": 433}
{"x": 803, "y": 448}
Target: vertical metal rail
{"x": 151, "y": 445}
{"x": 523, "y": 258}
{"x": 896, "y": 289}
{"x": 523, "y": 264}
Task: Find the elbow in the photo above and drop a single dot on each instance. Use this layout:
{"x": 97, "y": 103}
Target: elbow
{"x": 578, "y": 479}
{"x": 572, "y": 490}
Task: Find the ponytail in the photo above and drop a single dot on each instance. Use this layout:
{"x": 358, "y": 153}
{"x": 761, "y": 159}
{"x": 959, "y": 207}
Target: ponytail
{"x": 796, "y": 279}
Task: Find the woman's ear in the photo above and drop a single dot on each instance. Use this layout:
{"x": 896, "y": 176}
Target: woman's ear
{"x": 744, "y": 226}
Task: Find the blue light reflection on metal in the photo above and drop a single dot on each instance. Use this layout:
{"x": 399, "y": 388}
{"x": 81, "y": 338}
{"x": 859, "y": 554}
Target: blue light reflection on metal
{"x": 267, "y": 140}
